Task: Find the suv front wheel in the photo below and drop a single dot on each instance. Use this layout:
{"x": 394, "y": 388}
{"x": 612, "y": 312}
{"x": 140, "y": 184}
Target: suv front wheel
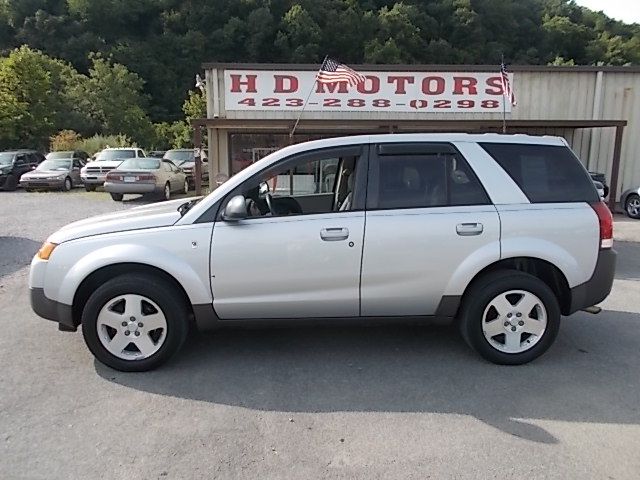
{"x": 134, "y": 322}
{"x": 510, "y": 317}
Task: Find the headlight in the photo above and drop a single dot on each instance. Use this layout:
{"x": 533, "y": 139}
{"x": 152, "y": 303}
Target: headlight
{"x": 83, "y": 170}
{"x": 46, "y": 250}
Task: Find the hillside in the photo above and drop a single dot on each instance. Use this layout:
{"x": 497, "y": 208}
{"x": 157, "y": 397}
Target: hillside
{"x": 165, "y": 41}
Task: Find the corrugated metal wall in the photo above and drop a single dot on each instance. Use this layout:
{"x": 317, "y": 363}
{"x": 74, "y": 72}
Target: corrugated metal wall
{"x": 541, "y": 95}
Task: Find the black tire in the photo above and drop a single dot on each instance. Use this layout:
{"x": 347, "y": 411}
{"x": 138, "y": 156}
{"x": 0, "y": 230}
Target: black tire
{"x": 483, "y": 291}
{"x": 166, "y": 191}
{"x": 90, "y": 188}
{"x": 163, "y": 294}
{"x": 11, "y": 183}
{"x": 186, "y": 187}
{"x": 29, "y": 190}
{"x": 68, "y": 185}
{"x": 628, "y": 209}
{"x": 117, "y": 196}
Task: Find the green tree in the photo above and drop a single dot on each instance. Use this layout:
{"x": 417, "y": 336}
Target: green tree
{"x": 38, "y": 93}
{"x": 114, "y": 99}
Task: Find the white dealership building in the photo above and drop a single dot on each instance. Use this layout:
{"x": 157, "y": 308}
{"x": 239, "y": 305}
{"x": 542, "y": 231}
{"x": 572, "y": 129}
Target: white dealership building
{"x": 252, "y": 108}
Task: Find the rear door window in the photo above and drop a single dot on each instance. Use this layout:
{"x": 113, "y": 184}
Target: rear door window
{"x": 544, "y": 173}
{"x": 420, "y": 177}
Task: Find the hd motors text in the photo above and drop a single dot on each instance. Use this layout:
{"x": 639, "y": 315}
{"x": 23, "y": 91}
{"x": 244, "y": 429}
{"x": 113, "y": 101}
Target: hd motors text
{"x": 381, "y": 91}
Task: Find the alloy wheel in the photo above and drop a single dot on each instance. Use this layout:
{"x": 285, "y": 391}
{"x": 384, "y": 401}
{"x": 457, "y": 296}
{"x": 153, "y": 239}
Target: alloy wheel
{"x": 633, "y": 206}
{"x": 514, "y": 321}
{"x": 131, "y": 327}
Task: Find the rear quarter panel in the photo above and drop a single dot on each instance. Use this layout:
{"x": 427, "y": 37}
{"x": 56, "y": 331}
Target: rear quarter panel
{"x": 564, "y": 234}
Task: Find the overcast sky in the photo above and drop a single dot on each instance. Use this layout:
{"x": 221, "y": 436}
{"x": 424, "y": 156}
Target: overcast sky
{"x": 626, "y": 10}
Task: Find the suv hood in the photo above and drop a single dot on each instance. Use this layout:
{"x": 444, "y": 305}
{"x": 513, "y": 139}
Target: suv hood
{"x": 147, "y": 216}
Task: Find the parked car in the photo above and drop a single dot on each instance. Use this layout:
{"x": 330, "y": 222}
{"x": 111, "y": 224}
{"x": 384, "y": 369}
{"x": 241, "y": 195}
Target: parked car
{"x": 504, "y": 233}
{"x": 145, "y": 175}
{"x": 185, "y": 159}
{"x": 600, "y": 178}
{"x": 15, "y": 163}
{"x": 95, "y": 173}
{"x": 57, "y": 174}
{"x": 78, "y": 154}
{"x": 630, "y": 200}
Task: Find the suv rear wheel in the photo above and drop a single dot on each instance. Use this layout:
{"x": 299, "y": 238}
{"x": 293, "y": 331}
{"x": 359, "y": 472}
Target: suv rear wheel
{"x": 510, "y": 317}
{"x": 134, "y": 323}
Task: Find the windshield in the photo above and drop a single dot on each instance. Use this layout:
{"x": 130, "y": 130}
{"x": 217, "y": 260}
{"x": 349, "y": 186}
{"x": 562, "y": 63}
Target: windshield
{"x": 140, "y": 164}
{"x": 5, "y": 158}
{"x": 57, "y": 155}
{"x": 115, "y": 155}
{"x": 179, "y": 156}
{"x": 55, "y": 165}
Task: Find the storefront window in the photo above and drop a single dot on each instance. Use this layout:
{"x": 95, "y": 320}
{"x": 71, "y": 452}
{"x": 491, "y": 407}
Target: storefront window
{"x": 246, "y": 148}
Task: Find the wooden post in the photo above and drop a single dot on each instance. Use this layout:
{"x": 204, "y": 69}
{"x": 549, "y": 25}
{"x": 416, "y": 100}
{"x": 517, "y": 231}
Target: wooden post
{"x": 197, "y": 144}
{"x": 615, "y": 167}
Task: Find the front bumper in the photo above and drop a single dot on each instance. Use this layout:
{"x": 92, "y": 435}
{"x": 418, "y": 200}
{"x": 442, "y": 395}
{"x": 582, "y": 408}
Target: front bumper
{"x": 51, "y": 310}
{"x": 49, "y": 183}
{"x": 131, "y": 187}
{"x": 97, "y": 179}
{"x": 598, "y": 287}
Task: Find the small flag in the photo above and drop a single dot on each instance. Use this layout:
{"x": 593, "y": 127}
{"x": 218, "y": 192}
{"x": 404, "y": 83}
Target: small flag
{"x": 331, "y": 71}
{"x": 507, "y": 91}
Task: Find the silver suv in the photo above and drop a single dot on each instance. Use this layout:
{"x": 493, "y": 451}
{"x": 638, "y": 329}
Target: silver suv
{"x": 503, "y": 234}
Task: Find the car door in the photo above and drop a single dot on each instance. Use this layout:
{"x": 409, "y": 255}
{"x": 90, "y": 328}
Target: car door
{"x": 75, "y": 171}
{"x": 429, "y": 225}
{"x": 177, "y": 180}
{"x": 297, "y": 262}
{"x": 165, "y": 174}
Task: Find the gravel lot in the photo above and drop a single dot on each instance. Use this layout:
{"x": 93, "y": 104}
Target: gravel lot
{"x": 394, "y": 402}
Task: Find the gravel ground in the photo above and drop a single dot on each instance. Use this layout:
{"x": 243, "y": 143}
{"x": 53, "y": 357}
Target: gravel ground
{"x": 393, "y": 402}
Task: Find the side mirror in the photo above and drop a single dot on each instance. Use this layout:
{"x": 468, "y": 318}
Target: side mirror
{"x": 235, "y": 210}
{"x": 264, "y": 189}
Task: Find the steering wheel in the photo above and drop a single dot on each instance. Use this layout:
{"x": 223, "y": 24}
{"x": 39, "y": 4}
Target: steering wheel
{"x": 267, "y": 197}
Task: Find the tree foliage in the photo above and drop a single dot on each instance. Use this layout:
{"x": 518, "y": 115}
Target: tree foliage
{"x": 161, "y": 44}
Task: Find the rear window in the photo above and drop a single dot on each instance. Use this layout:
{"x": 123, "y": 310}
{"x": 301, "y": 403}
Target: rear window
{"x": 545, "y": 173}
{"x": 140, "y": 164}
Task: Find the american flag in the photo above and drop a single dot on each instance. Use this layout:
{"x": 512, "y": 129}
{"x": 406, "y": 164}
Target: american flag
{"x": 333, "y": 71}
{"x": 507, "y": 91}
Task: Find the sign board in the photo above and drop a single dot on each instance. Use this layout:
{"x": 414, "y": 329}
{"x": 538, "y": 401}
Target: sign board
{"x": 277, "y": 90}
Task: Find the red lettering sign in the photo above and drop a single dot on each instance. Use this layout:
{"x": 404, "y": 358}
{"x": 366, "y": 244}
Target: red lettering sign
{"x": 237, "y": 83}
{"x": 468, "y": 83}
{"x": 285, "y": 84}
{"x": 401, "y": 82}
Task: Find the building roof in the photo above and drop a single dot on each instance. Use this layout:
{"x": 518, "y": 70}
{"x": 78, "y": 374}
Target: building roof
{"x": 426, "y": 68}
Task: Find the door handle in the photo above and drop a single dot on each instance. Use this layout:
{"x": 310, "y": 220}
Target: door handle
{"x": 468, "y": 229}
{"x": 334, "y": 234}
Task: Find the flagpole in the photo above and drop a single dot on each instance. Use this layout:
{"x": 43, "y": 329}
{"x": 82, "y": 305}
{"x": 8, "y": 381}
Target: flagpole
{"x": 504, "y": 102}
{"x": 313, "y": 86}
